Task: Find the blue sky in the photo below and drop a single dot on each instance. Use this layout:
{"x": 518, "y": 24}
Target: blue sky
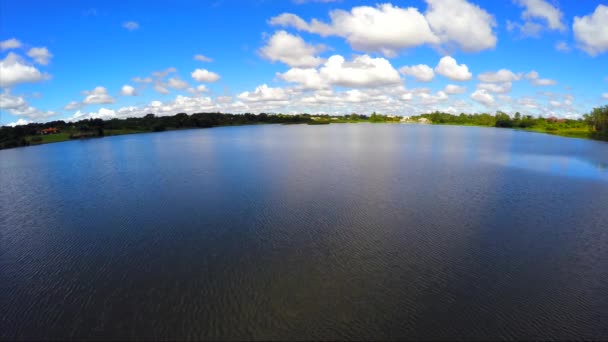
{"x": 78, "y": 59}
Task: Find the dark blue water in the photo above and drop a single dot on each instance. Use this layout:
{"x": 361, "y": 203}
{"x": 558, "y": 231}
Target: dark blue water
{"x": 352, "y": 231}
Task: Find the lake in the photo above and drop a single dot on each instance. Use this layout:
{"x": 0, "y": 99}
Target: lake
{"x": 343, "y": 231}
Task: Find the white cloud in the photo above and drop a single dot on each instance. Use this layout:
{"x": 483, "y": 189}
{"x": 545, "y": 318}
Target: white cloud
{"x": 10, "y": 44}
{"x": 177, "y": 83}
{"x": 13, "y": 71}
{"x": 131, "y": 25}
{"x": 157, "y": 79}
{"x": 460, "y": 23}
{"x": 203, "y": 75}
{"x": 422, "y": 72}
{"x": 535, "y": 79}
{"x": 527, "y": 29}
{"x": 161, "y": 88}
{"x": 384, "y": 28}
{"x": 605, "y": 96}
{"x": 497, "y": 88}
{"x": 454, "y": 89}
{"x": 127, "y": 90}
{"x": 591, "y": 31}
{"x": 388, "y": 29}
{"x": 449, "y": 68}
{"x": 500, "y": 76}
{"x": 16, "y": 105}
{"x": 8, "y": 101}
{"x": 541, "y": 9}
{"x": 99, "y": 95}
{"x": 482, "y": 96}
{"x": 40, "y": 55}
{"x": 264, "y": 93}
{"x": 428, "y": 99}
{"x": 291, "y": 50}
{"x": 20, "y": 122}
{"x": 202, "y": 58}
{"x": 200, "y": 89}
{"x": 363, "y": 71}
{"x": 308, "y": 78}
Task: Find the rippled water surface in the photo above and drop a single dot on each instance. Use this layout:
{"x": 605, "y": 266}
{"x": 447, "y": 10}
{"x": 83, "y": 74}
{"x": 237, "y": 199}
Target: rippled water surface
{"x": 352, "y": 231}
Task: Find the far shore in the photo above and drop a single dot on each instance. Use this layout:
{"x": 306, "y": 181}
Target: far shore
{"x": 59, "y": 131}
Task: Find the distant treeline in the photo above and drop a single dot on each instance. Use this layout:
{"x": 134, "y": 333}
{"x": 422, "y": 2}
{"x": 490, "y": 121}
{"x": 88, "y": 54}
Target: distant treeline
{"x": 21, "y": 135}
{"x": 593, "y": 125}
{"x": 595, "y": 122}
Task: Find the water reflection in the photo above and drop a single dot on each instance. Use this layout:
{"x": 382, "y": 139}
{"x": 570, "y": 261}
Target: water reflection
{"x": 565, "y": 166}
{"x": 306, "y": 232}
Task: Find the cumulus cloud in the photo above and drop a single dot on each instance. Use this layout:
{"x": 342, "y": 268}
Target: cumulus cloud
{"x": 161, "y": 88}
{"x": 541, "y": 9}
{"x": 181, "y": 104}
{"x": 131, "y": 25}
{"x": 99, "y": 95}
{"x": 454, "y": 89}
{"x": 308, "y": 78}
{"x": 497, "y": 88}
{"x": 535, "y": 79}
{"x": 527, "y": 29}
{"x": 384, "y": 28}
{"x": 16, "y": 105}
{"x": 362, "y": 71}
{"x": 177, "y": 83}
{"x": 449, "y": 68}
{"x": 13, "y": 71}
{"x": 201, "y": 88}
{"x": 463, "y": 24}
{"x": 389, "y": 29}
{"x": 422, "y": 72}
{"x": 591, "y": 31}
{"x": 203, "y": 75}
{"x": 483, "y": 96}
{"x": 10, "y": 44}
{"x": 202, "y": 58}
{"x": 127, "y": 90}
{"x": 605, "y": 96}
{"x": 20, "y": 122}
{"x": 264, "y": 93}
{"x": 160, "y": 83}
{"x": 502, "y": 75}
{"x": 291, "y": 50}
{"x": 40, "y": 55}
{"x": 429, "y": 99}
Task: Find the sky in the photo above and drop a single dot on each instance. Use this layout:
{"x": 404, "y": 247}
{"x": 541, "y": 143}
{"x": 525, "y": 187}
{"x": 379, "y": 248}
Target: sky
{"x": 78, "y": 59}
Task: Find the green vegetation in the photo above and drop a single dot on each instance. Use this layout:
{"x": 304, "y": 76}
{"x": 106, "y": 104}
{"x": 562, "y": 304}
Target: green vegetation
{"x": 30, "y": 134}
{"x": 593, "y": 125}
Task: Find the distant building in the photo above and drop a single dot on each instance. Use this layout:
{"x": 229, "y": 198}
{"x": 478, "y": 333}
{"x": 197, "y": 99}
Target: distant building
{"x": 50, "y": 130}
{"x": 424, "y": 121}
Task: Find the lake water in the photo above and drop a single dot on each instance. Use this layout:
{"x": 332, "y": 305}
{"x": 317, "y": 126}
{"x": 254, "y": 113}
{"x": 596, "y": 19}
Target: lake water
{"x": 345, "y": 231}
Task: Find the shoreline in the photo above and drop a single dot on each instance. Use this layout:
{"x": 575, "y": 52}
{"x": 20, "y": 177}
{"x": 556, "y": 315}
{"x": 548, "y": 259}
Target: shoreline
{"x": 110, "y": 133}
